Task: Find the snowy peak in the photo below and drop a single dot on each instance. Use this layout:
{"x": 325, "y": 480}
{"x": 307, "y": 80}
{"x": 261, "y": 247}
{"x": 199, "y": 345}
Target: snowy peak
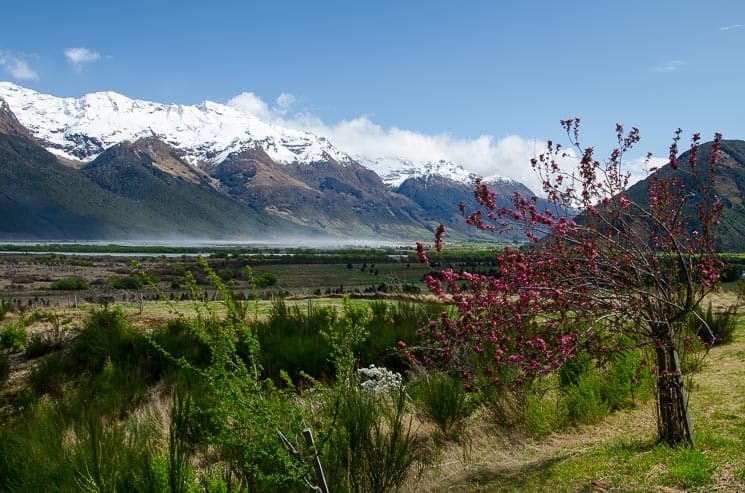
{"x": 499, "y": 180}
{"x": 208, "y": 132}
{"x": 204, "y": 134}
{"x": 394, "y": 171}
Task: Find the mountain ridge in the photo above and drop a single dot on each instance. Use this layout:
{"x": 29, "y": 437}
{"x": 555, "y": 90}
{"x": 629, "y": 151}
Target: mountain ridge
{"x": 212, "y": 170}
{"x": 82, "y": 128}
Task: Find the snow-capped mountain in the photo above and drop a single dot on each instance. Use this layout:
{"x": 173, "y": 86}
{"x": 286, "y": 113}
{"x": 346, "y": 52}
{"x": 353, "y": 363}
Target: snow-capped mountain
{"x": 395, "y": 171}
{"x": 205, "y": 133}
{"x": 254, "y": 177}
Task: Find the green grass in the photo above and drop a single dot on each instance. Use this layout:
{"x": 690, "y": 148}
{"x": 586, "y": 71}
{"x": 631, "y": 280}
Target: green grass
{"x": 632, "y": 465}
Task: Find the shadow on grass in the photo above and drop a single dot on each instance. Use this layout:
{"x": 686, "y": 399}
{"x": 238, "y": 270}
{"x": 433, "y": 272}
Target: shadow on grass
{"x": 531, "y": 474}
{"x": 509, "y": 477}
{"x": 634, "y": 446}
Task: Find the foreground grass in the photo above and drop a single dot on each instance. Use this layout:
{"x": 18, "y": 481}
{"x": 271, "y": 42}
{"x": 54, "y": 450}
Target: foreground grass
{"x": 618, "y": 454}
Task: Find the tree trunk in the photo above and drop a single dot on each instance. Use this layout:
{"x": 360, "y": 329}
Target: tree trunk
{"x": 673, "y": 420}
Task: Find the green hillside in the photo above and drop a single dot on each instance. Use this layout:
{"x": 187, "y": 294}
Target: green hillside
{"x": 41, "y": 198}
{"x": 730, "y": 186}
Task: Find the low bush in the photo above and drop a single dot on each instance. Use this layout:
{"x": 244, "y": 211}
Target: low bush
{"x": 115, "y": 391}
{"x": 721, "y": 325}
{"x": 107, "y": 336}
{"x": 291, "y": 340}
{"x": 50, "y": 375}
{"x": 38, "y": 345}
{"x": 371, "y": 447}
{"x": 134, "y": 281}
{"x": 625, "y": 380}
{"x": 14, "y": 336}
{"x": 390, "y": 323}
{"x": 178, "y": 340}
{"x": 584, "y": 401}
{"x": 543, "y": 412}
{"x": 443, "y": 401}
{"x": 266, "y": 280}
{"x": 504, "y": 408}
{"x": 571, "y": 371}
{"x": 70, "y": 284}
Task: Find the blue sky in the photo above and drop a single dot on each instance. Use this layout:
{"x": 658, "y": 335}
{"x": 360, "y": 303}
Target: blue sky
{"x": 466, "y": 73}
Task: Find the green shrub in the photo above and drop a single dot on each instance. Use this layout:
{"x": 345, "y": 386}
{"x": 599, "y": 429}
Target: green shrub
{"x": 115, "y": 391}
{"x": 371, "y": 447}
{"x": 107, "y": 335}
{"x": 584, "y": 401}
{"x": 291, "y": 340}
{"x": 70, "y": 284}
{"x": 80, "y": 262}
{"x": 390, "y": 323}
{"x": 721, "y": 325}
{"x": 573, "y": 369}
{"x": 266, "y": 280}
{"x": 38, "y": 345}
{"x": 109, "y": 456}
{"x": 134, "y": 281}
{"x": 14, "y": 336}
{"x": 179, "y": 340}
{"x": 245, "y": 410}
{"x": 443, "y": 400}
{"x": 625, "y": 380}
{"x": 542, "y": 413}
{"x": 180, "y": 474}
{"x": 51, "y": 450}
{"x": 50, "y": 375}
{"x": 32, "y": 453}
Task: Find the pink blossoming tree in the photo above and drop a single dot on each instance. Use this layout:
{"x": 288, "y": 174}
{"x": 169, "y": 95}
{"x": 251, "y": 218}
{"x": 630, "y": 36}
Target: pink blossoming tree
{"x": 628, "y": 270}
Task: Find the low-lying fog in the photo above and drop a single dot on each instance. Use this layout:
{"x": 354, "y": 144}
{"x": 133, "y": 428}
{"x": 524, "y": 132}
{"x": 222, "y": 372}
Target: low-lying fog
{"x": 326, "y": 243}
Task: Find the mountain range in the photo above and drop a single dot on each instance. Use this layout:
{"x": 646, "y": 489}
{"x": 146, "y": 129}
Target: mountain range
{"x": 107, "y": 167}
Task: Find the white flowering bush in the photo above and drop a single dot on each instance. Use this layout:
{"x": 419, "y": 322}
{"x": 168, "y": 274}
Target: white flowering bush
{"x": 378, "y": 379}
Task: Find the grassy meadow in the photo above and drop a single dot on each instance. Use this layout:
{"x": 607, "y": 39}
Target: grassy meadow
{"x": 207, "y": 383}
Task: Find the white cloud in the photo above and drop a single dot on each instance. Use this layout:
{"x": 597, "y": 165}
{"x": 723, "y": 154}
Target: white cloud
{"x": 730, "y": 27}
{"x": 285, "y": 102}
{"x": 670, "y": 65}
{"x": 641, "y": 167}
{"x": 17, "y": 67}
{"x": 249, "y": 102}
{"x": 77, "y": 57}
{"x": 484, "y": 155}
